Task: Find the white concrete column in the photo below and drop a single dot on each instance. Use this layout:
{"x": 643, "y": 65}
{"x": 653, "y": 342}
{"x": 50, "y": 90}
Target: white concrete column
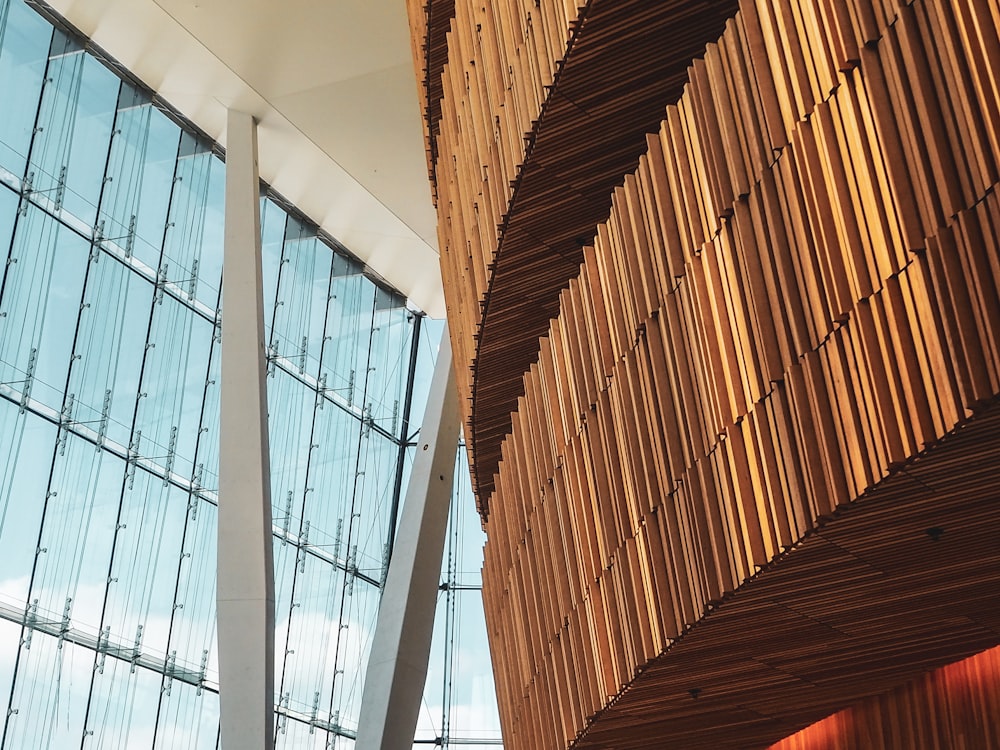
{"x": 245, "y": 570}
{"x": 397, "y": 667}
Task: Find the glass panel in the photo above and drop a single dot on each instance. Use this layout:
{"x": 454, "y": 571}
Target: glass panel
{"x": 50, "y": 695}
{"x": 408, "y": 457}
{"x": 300, "y": 312}
{"x": 10, "y": 635}
{"x": 427, "y": 346}
{"x": 140, "y": 177}
{"x": 466, "y": 538}
{"x": 459, "y": 695}
{"x": 298, "y": 735}
{"x": 75, "y": 120}
{"x": 123, "y": 706}
{"x": 104, "y": 381}
{"x": 192, "y": 249}
{"x": 24, "y": 50}
{"x": 332, "y": 479}
{"x": 286, "y": 564}
{"x": 8, "y": 209}
{"x": 369, "y": 529}
{"x": 272, "y": 238}
{"x": 189, "y": 719}
{"x": 144, "y": 569}
{"x": 40, "y": 307}
{"x": 470, "y": 690}
{"x": 389, "y": 361}
{"x": 26, "y": 447}
{"x": 312, "y": 630}
{"x": 290, "y": 405}
{"x": 348, "y": 332}
{"x": 192, "y": 636}
{"x": 173, "y": 387}
{"x": 77, "y": 534}
{"x": 358, "y": 613}
{"x": 430, "y": 721}
{"x": 206, "y": 470}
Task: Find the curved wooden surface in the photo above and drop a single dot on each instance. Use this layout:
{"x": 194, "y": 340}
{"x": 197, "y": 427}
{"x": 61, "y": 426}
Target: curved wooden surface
{"x": 795, "y": 294}
{"x": 526, "y": 159}
{"x": 627, "y": 62}
{"x": 864, "y": 602}
{"x": 747, "y": 473}
{"x": 430, "y": 21}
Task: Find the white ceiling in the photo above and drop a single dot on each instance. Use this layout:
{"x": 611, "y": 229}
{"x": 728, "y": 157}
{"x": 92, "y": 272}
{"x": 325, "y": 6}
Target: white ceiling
{"x": 331, "y": 84}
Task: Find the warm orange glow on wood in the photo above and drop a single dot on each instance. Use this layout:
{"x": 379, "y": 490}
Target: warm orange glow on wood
{"x": 956, "y": 706}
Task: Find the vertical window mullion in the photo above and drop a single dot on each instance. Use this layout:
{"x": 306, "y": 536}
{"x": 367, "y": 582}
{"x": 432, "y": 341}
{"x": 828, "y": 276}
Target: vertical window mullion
{"x": 404, "y": 438}
{"x": 94, "y": 249}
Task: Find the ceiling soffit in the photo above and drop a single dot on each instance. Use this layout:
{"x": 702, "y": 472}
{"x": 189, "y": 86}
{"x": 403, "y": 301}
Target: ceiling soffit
{"x": 333, "y": 90}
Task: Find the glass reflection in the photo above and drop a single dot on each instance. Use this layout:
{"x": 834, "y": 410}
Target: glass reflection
{"x": 111, "y": 231}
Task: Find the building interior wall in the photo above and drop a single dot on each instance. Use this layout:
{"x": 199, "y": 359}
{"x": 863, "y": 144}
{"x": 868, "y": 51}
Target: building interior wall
{"x": 790, "y": 300}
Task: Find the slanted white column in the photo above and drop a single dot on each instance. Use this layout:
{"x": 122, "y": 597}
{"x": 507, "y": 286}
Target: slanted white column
{"x": 245, "y": 570}
{"x": 397, "y": 667}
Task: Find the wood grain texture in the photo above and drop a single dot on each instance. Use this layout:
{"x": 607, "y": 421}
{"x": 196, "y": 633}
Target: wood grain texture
{"x": 430, "y": 21}
{"x": 748, "y": 472}
{"x": 544, "y": 107}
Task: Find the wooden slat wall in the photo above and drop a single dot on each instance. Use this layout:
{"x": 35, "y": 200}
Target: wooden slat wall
{"x": 514, "y": 188}
{"x": 501, "y": 56}
{"x": 430, "y": 21}
{"x": 957, "y": 706}
{"x": 627, "y": 60}
{"x": 795, "y": 293}
{"x": 863, "y": 602}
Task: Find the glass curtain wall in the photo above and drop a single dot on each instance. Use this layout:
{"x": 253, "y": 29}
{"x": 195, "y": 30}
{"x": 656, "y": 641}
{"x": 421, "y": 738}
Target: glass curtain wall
{"x": 111, "y": 240}
{"x": 459, "y": 708}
